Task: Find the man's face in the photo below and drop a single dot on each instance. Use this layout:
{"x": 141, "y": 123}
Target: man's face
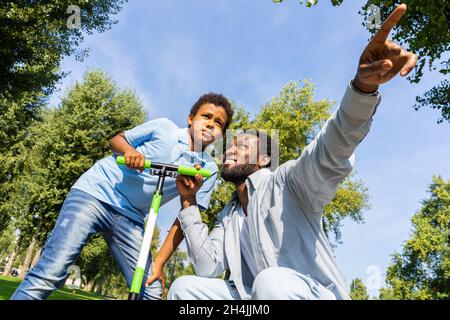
{"x": 207, "y": 124}
{"x": 241, "y": 158}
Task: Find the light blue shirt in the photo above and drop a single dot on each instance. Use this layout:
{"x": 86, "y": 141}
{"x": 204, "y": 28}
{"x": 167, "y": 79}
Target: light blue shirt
{"x": 130, "y": 191}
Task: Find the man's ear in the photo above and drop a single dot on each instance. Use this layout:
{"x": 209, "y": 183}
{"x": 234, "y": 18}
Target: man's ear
{"x": 263, "y": 161}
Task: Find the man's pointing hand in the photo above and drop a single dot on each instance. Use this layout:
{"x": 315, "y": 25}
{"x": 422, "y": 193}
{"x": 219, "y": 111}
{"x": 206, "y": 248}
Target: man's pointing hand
{"x": 383, "y": 59}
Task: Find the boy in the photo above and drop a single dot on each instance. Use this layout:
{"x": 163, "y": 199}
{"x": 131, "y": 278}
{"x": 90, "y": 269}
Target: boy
{"x": 114, "y": 200}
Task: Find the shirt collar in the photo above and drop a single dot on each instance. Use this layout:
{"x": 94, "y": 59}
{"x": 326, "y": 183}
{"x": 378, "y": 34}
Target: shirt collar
{"x": 183, "y": 135}
{"x": 257, "y": 177}
{"x": 183, "y": 138}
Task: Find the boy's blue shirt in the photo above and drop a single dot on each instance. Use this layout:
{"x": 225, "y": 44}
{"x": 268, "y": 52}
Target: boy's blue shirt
{"x": 130, "y": 191}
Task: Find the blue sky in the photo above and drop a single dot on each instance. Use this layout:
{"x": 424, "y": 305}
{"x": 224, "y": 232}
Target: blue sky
{"x": 172, "y": 51}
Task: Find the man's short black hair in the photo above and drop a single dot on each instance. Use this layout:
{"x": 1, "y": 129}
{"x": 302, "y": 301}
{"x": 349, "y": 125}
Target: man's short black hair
{"x": 264, "y": 145}
{"x": 217, "y": 100}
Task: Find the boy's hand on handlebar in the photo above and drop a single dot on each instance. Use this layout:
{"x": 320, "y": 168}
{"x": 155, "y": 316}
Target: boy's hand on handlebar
{"x": 135, "y": 160}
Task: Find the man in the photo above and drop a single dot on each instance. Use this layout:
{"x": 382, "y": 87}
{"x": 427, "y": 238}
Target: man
{"x": 270, "y": 235}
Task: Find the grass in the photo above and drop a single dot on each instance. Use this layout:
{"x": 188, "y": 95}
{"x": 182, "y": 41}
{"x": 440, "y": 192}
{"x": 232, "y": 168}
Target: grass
{"x": 9, "y": 284}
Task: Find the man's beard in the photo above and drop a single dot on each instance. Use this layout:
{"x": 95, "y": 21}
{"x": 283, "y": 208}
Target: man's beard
{"x": 238, "y": 173}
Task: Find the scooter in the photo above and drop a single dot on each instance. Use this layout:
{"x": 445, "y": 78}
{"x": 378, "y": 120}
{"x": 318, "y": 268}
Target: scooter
{"x": 162, "y": 170}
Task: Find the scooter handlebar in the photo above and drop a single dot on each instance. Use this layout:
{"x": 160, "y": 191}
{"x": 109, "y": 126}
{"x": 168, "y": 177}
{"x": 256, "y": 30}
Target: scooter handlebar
{"x": 184, "y": 170}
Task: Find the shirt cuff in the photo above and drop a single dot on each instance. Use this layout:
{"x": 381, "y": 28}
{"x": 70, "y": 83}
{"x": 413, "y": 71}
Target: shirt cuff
{"x": 189, "y": 216}
{"x": 202, "y": 206}
{"x": 369, "y": 94}
{"x": 358, "y": 104}
{"x": 127, "y": 137}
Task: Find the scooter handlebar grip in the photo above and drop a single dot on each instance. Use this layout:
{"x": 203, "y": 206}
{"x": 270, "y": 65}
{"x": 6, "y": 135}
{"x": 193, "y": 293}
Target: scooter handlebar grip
{"x": 191, "y": 171}
{"x": 121, "y": 161}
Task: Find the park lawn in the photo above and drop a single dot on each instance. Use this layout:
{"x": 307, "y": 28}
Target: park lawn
{"x": 9, "y": 284}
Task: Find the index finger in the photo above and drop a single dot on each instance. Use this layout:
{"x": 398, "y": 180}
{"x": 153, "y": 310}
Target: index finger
{"x": 389, "y": 24}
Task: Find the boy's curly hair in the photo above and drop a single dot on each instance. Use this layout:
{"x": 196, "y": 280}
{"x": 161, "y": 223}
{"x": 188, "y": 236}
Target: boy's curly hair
{"x": 217, "y": 100}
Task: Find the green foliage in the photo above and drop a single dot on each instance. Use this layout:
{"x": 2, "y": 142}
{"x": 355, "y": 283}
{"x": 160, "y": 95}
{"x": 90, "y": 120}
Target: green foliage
{"x": 155, "y": 242}
{"x": 96, "y": 260}
{"x": 310, "y": 3}
{"x": 297, "y": 117}
{"x": 220, "y": 196}
{"x": 65, "y": 144}
{"x": 34, "y": 38}
{"x": 351, "y": 200}
{"x": 97, "y": 265}
{"x": 176, "y": 267}
{"x": 358, "y": 290}
{"x": 387, "y": 294}
{"x": 6, "y": 244}
{"x": 437, "y": 98}
{"x": 422, "y": 269}
{"x": 424, "y": 30}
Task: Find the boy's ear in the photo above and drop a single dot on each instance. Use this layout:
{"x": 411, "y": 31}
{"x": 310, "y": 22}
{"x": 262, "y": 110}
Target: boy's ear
{"x": 189, "y": 120}
{"x": 263, "y": 161}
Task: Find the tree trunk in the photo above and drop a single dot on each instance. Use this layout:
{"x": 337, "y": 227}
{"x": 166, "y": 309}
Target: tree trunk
{"x": 36, "y": 257}
{"x": 108, "y": 284}
{"x": 27, "y": 261}
{"x": 12, "y": 257}
{"x": 94, "y": 284}
{"x": 172, "y": 272}
{"x": 91, "y": 286}
{"x": 100, "y": 286}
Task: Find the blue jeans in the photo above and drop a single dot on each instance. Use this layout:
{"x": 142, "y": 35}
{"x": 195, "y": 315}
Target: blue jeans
{"x": 81, "y": 216}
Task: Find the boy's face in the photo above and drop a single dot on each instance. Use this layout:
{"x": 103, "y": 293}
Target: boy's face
{"x": 207, "y": 125}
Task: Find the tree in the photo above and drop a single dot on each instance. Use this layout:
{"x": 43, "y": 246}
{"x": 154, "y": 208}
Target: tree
{"x": 297, "y": 117}
{"x": 34, "y": 38}
{"x": 73, "y": 137}
{"x": 156, "y": 241}
{"x": 36, "y": 35}
{"x": 56, "y": 151}
{"x": 13, "y": 256}
{"x": 424, "y": 30}
{"x": 99, "y": 269}
{"x": 175, "y": 267}
{"x": 7, "y": 239}
{"x": 387, "y": 294}
{"x": 422, "y": 269}
{"x": 358, "y": 290}
{"x": 310, "y": 3}
{"x": 96, "y": 262}
{"x": 25, "y": 207}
